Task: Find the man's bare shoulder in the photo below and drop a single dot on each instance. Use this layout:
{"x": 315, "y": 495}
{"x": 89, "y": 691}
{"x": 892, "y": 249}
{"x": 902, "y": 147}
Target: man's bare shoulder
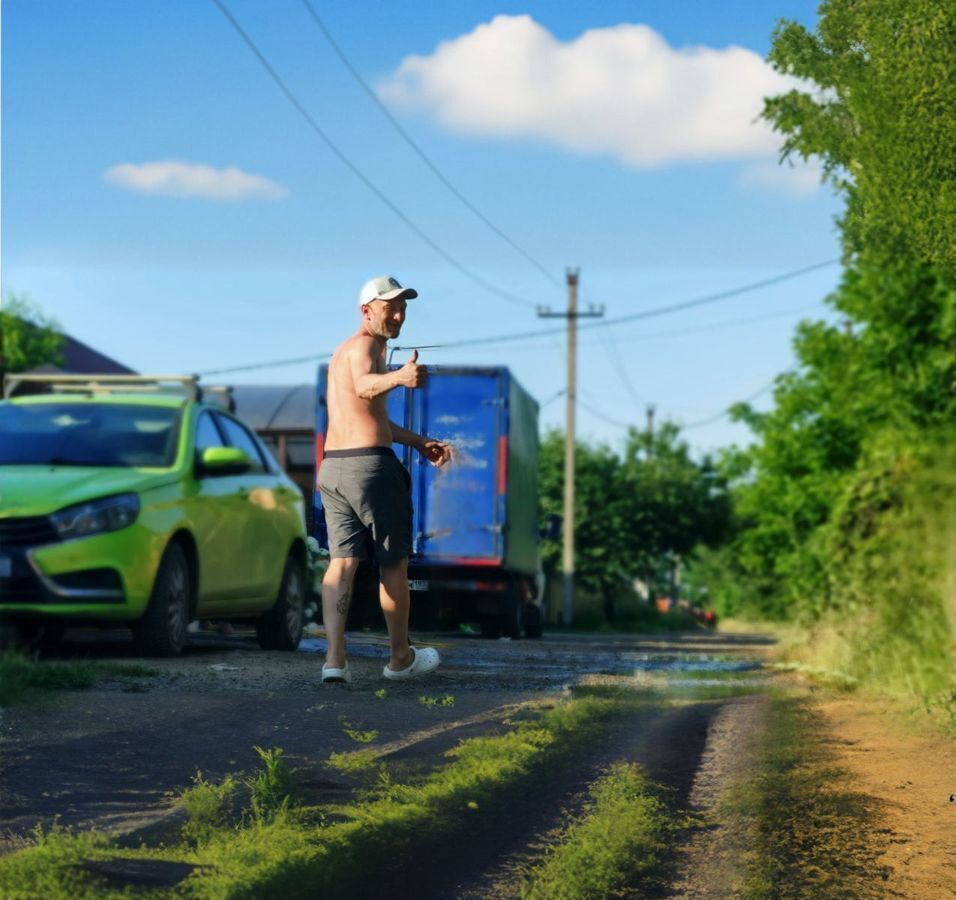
{"x": 359, "y": 344}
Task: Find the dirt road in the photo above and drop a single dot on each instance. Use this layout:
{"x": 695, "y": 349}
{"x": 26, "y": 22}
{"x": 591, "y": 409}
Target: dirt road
{"x": 115, "y": 757}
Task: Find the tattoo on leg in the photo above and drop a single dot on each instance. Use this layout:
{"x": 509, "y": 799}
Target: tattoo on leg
{"x": 342, "y": 604}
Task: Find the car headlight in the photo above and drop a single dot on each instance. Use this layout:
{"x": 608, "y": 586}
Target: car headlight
{"x": 108, "y": 514}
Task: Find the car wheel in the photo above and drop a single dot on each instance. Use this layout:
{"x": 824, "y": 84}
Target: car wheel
{"x": 532, "y": 620}
{"x": 162, "y": 630}
{"x": 281, "y": 627}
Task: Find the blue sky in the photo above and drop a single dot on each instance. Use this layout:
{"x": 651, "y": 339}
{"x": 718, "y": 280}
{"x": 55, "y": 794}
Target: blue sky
{"x": 589, "y": 143}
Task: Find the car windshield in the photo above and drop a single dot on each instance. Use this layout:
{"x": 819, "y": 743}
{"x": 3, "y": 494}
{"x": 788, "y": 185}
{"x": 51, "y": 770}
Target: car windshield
{"x": 88, "y": 434}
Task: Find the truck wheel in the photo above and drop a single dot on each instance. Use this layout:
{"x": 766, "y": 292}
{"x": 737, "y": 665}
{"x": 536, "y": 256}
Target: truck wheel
{"x": 162, "y": 630}
{"x": 532, "y": 620}
{"x": 490, "y": 627}
{"x": 281, "y": 627}
{"x": 511, "y": 617}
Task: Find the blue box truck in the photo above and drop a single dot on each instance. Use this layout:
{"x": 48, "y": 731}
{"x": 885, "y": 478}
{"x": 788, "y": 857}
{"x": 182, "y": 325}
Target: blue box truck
{"x": 475, "y": 555}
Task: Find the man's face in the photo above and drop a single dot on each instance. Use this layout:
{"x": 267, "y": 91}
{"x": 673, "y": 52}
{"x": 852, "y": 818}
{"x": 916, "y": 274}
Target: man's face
{"x": 384, "y": 318}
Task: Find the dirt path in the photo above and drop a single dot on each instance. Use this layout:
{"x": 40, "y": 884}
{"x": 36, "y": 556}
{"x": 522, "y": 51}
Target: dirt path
{"x": 894, "y": 758}
{"x": 116, "y": 756}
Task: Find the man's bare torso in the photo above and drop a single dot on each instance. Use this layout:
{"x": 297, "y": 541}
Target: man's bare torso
{"x": 354, "y": 422}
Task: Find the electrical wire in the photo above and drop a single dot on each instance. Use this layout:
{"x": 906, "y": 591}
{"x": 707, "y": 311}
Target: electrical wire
{"x": 508, "y": 338}
{"x": 419, "y": 151}
{"x": 344, "y": 159}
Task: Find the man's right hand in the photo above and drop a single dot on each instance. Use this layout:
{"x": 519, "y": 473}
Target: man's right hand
{"x": 412, "y": 375}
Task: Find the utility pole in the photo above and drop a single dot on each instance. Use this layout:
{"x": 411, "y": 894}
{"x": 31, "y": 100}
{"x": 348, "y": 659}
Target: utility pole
{"x": 650, "y": 420}
{"x": 572, "y": 315}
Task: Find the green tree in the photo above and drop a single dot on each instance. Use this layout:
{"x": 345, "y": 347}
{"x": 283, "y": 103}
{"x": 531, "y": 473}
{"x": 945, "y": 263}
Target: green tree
{"x": 634, "y": 513}
{"x": 27, "y": 337}
{"x": 883, "y": 376}
{"x": 882, "y": 121}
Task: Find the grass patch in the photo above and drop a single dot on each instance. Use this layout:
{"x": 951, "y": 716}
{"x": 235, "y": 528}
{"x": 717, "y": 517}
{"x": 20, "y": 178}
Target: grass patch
{"x": 208, "y": 807}
{"x": 310, "y": 852}
{"x": 22, "y": 676}
{"x": 810, "y": 835}
{"x": 619, "y": 837}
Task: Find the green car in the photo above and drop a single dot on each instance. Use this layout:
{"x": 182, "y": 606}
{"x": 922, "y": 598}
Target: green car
{"x": 144, "y": 509}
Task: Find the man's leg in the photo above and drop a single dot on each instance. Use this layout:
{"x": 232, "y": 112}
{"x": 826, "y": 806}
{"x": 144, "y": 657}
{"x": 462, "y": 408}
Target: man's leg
{"x": 393, "y": 595}
{"x": 336, "y": 596}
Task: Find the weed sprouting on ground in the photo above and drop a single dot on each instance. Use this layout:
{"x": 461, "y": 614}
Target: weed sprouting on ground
{"x": 619, "y": 836}
{"x": 270, "y": 789}
{"x": 811, "y": 835}
{"x": 208, "y": 807}
{"x": 356, "y": 734}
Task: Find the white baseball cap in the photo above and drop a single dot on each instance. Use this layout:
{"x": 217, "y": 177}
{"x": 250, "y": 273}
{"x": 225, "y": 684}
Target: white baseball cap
{"x": 385, "y": 287}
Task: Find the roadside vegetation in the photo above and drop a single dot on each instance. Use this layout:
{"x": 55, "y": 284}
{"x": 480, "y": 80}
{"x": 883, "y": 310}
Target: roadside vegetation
{"x": 844, "y": 507}
{"x": 23, "y": 677}
{"x": 278, "y": 846}
{"x": 620, "y": 836}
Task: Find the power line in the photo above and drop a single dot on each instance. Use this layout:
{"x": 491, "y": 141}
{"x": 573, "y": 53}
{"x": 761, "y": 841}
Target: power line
{"x": 290, "y": 96}
{"x": 419, "y": 151}
{"x": 507, "y": 338}
{"x": 718, "y": 416}
{"x": 276, "y": 363}
{"x": 647, "y": 314}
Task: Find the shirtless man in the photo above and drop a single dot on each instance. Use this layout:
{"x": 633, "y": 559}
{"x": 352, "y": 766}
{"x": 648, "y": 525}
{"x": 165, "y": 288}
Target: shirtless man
{"x": 365, "y": 489}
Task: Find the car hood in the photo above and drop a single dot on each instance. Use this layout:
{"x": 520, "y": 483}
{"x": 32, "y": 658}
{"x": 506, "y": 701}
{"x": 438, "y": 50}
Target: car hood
{"x": 39, "y": 490}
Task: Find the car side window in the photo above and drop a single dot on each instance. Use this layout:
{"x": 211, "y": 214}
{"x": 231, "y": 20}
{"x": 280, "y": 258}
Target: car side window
{"x": 207, "y": 434}
{"x": 241, "y": 439}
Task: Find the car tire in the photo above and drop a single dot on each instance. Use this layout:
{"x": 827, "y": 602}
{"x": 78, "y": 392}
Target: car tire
{"x": 532, "y": 620}
{"x": 281, "y": 627}
{"x": 162, "y": 630}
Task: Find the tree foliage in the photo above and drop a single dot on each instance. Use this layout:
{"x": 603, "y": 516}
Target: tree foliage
{"x": 634, "y": 511}
{"x": 27, "y": 337}
{"x": 882, "y": 122}
{"x": 875, "y": 387}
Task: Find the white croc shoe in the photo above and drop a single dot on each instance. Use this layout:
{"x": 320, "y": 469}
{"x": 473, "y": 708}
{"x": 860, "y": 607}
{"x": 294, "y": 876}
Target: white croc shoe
{"x": 334, "y": 675}
{"x": 424, "y": 660}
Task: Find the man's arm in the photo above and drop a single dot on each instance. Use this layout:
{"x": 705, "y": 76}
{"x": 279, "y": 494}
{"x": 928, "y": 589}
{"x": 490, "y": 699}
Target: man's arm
{"x": 436, "y": 452}
{"x": 369, "y": 382}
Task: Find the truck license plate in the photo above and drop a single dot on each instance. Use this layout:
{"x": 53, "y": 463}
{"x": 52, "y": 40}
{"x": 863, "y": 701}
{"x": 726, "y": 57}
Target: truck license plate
{"x": 6, "y": 567}
{"x": 418, "y": 584}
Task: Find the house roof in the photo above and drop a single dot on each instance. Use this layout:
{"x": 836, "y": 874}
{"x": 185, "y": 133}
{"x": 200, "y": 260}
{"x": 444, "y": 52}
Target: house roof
{"x": 275, "y": 407}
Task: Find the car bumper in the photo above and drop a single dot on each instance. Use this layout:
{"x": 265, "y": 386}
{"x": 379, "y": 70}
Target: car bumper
{"x": 105, "y": 577}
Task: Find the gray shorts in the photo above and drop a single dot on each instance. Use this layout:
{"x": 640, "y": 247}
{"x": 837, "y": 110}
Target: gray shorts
{"x": 367, "y": 498}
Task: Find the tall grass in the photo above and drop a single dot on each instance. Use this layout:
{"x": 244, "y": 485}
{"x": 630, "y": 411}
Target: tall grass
{"x": 891, "y": 626}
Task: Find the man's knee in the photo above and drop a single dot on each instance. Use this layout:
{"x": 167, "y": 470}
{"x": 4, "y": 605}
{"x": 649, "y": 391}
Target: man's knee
{"x": 388, "y": 571}
{"x": 340, "y": 570}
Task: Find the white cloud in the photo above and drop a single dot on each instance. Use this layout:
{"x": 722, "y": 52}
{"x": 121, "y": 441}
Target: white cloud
{"x": 620, "y": 90}
{"x": 798, "y": 178}
{"x": 183, "y": 179}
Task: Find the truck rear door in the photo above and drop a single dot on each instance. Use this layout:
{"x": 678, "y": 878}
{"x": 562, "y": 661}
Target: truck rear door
{"x": 459, "y": 509}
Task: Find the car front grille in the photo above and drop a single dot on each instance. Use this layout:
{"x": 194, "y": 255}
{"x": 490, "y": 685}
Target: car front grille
{"x": 27, "y": 531}
{"x": 22, "y": 589}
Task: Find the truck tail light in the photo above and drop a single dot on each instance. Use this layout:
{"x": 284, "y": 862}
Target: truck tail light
{"x": 319, "y": 453}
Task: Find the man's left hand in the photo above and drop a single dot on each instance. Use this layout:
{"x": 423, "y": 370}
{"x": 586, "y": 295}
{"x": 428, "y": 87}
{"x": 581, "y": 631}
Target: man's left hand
{"x": 436, "y": 452}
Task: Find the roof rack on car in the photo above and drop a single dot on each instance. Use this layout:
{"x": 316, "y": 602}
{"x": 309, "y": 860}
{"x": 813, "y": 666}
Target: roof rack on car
{"x": 105, "y": 384}
{"x": 222, "y": 394}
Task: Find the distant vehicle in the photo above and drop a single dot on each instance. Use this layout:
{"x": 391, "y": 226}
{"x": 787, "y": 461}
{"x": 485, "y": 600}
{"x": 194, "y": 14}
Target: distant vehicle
{"x": 476, "y": 553}
{"x": 122, "y": 503}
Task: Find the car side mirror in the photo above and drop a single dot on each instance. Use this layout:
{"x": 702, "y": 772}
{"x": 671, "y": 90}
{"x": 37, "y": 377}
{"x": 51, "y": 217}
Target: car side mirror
{"x": 224, "y": 461}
